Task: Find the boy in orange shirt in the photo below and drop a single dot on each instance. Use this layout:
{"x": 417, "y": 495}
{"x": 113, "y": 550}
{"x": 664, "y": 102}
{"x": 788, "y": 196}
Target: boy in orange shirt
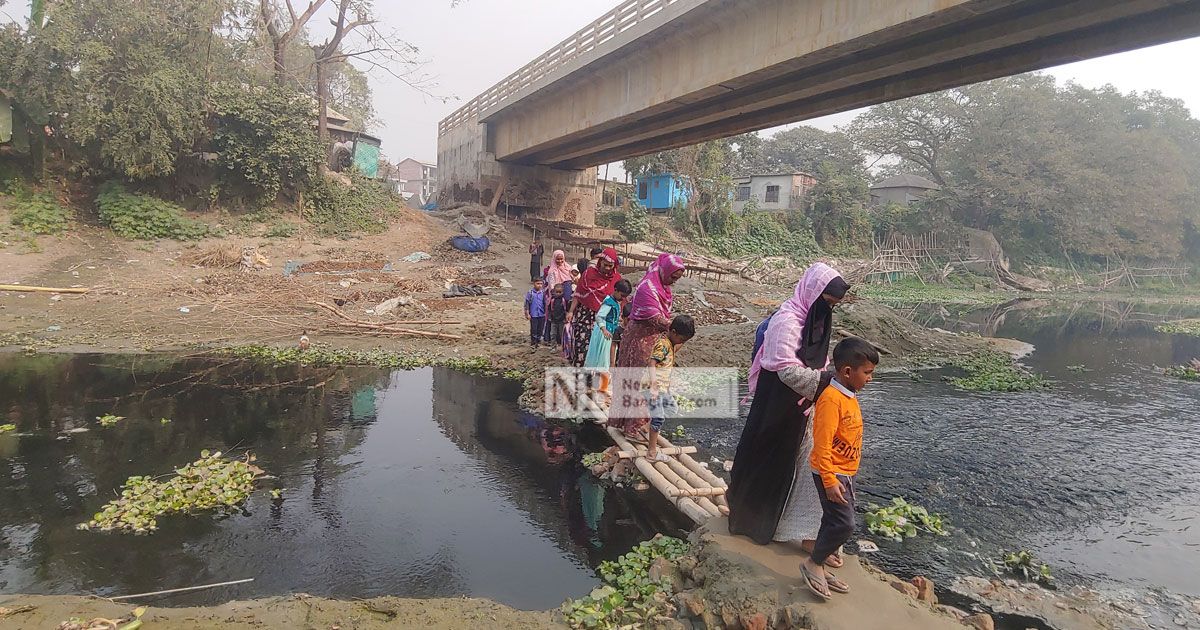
{"x": 837, "y": 429}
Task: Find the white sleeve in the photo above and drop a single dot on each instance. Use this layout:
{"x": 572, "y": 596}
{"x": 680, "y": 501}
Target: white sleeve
{"x": 803, "y": 380}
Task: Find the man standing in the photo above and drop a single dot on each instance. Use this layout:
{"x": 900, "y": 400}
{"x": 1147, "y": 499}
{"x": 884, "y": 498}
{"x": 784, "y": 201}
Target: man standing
{"x": 535, "y": 257}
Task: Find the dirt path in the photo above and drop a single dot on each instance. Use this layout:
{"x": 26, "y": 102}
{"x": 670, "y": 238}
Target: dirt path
{"x": 294, "y": 611}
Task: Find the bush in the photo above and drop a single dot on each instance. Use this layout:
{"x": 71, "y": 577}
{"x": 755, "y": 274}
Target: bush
{"x": 265, "y": 140}
{"x": 760, "y": 233}
{"x": 339, "y": 210}
{"x": 142, "y": 217}
{"x": 40, "y": 214}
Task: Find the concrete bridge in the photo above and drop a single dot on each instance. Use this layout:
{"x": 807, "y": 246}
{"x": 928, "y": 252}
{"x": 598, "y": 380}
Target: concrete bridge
{"x": 657, "y": 74}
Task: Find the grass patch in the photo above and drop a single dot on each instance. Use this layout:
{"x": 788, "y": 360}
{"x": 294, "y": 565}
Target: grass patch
{"x": 339, "y": 210}
{"x": 142, "y": 217}
{"x": 1190, "y": 327}
{"x": 628, "y": 598}
{"x": 904, "y": 293}
{"x": 40, "y": 213}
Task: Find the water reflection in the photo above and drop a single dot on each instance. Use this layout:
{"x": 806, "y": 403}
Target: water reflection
{"x": 422, "y": 483}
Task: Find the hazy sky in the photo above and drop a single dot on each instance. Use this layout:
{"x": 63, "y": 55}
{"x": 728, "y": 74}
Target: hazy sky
{"x": 474, "y": 45}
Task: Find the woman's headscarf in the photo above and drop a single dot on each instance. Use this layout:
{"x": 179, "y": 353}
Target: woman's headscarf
{"x": 799, "y": 331}
{"x": 594, "y": 285}
{"x": 558, "y": 272}
{"x": 653, "y": 295}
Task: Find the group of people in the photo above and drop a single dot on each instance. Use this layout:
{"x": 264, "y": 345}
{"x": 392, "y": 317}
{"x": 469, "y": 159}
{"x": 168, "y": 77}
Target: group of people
{"x": 793, "y": 472}
{"x": 601, "y": 321}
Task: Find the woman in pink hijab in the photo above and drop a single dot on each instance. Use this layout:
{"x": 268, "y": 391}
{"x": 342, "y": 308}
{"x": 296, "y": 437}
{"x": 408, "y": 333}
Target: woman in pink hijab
{"x": 765, "y": 502}
{"x": 649, "y": 319}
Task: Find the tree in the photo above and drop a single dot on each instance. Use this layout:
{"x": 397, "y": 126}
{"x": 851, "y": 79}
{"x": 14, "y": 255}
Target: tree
{"x": 807, "y": 149}
{"x": 917, "y": 130}
{"x": 282, "y": 35}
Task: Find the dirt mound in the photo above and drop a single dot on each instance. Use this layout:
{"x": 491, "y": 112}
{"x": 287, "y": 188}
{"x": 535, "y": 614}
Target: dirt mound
{"x": 706, "y": 315}
{"x": 898, "y": 336}
{"x": 326, "y": 266}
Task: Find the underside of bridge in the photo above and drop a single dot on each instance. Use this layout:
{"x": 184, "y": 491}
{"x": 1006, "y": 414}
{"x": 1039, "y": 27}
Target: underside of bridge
{"x": 704, "y": 69}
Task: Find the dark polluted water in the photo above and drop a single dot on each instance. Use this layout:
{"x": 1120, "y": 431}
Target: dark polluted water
{"x": 422, "y": 483}
{"x": 1099, "y": 476}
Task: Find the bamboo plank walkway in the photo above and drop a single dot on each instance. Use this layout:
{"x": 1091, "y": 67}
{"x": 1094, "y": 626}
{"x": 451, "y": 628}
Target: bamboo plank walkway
{"x": 694, "y": 489}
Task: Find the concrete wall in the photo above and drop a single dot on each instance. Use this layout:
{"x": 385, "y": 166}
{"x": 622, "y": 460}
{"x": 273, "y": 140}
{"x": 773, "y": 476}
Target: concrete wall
{"x": 469, "y": 173}
{"x": 902, "y": 195}
{"x": 792, "y": 189}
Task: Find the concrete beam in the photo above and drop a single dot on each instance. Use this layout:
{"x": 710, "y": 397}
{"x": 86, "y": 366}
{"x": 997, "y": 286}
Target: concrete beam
{"x": 723, "y": 70}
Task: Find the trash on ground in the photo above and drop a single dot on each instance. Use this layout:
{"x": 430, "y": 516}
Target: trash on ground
{"x": 416, "y": 257}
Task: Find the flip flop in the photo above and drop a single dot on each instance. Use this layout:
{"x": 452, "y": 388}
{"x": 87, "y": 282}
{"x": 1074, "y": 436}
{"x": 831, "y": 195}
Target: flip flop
{"x": 816, "y": 584}
{"x": 834, "y": 561}
{"x": 835, "y": 584}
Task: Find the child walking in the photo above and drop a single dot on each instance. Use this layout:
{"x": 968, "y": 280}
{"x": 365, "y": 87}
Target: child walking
{"x": 535, "y": 312}
{"x": 557, "y": 314}
{"x": 599, "y": 355}
{"x": 837, "y": 429}
{"x": 662, "y": 361}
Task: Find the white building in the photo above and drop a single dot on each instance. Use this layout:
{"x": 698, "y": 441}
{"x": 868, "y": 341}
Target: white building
{"x": 780, "y": 191}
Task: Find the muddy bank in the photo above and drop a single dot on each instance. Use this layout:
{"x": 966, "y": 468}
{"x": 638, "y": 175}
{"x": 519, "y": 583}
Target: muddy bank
{"x": 294, "y": 611}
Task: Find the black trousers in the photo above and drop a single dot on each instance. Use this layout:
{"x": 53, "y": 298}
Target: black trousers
{"x": 536, "y": 326}
{"x": 837, "y": 520}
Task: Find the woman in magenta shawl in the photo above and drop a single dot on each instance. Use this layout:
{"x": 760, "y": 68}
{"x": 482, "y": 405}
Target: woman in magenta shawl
{"x": 649, "y": 319}
{"x": 787, "y": 375}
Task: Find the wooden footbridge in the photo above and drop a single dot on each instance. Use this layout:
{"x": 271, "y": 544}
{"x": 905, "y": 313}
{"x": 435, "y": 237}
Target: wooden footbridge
{"x": 688, "y": 485}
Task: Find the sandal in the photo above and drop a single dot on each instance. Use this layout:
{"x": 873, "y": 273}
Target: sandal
{"x": 816, "y": 584}
{"x": 834, "y": 561}
{"x": 835, "y": 584}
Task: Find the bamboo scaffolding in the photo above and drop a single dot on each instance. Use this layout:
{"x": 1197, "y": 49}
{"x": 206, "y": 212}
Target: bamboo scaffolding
{"x": 672, "y": 450}
{"x": 685, "y": 504}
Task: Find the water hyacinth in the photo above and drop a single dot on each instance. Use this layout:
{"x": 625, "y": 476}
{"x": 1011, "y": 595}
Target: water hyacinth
{"x": 902, "y": 520}
{"x": 209, "y": 483}
{"x": 108, "y": 420}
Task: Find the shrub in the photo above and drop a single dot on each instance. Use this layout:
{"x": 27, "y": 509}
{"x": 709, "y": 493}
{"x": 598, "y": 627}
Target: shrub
{"x": 265, "y": 140}
{"x": 760, "y": 233}
{"x": 40, "y": 214}
{"x": 136, "y": 216}
{"x": 340, "y": 210}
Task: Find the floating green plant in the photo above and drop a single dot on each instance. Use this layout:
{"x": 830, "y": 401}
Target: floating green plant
{"x": 108, "y": 420}
{"x": 6, "y": 428}
{"x": 209, "y": 483}
{"x": 1181, "y": 327}
{"x": 1185, "y": 372}
{"x": 1024, "y": 564}
{"x": 628, "y": 598}
{"x": 992, "y": 371}
{"x": 902, "y": 520}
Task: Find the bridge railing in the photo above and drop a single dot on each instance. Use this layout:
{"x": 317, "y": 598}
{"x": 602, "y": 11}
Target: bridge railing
{"x": 608, "y": 26}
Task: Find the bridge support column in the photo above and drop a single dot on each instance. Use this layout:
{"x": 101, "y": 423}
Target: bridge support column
{"x": 469, "y": 173}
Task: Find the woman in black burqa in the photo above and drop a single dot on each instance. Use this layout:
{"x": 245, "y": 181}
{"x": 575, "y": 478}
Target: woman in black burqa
{"x": 787, "y": 375}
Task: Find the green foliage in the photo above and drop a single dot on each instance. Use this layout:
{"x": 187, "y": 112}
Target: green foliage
{"x": 760, "y": 233}
{"x": 7, "y": 428}
{"x": 209, "y": 483}
{"x": 593, "y": 459}
{"x": 265, "y": 140}
{"x": 1079, "y": 368}
{"x": 40, "y": 213}
{"x": 902, "y": 293}
{"x": 318, "y": 356}
{"x": 109, "y": 420}
{"x": 839, "y": 210}
{"x": 1024, "y": 564}
{"x": 628, "y": 597}
{"x": 679, "y": 433}
{"x": 1190, "y": 327}
{"x": 902, "y": 520}
{"x": 1185, "y": 372}
{"x": 992, "y": 371}
{"x": 633, "y": 223}
{"x": 340, "y": 210}
{"x": 137, "y": 216}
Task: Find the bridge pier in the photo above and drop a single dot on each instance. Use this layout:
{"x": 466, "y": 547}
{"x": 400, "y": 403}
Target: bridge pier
{"x": 469, "y": 173}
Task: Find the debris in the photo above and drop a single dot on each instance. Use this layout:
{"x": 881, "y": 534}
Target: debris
{"x": 866, "y": 546}
{"x": 469, "y": 244}
{"x": 16, "y": 610}
{"x": 184, "y": 309}
{"x": 181, "y": 590}
{"x": 53, "y": 328}
{"x": 252, "y": 260}
{"x": 505, "y": 284}
{"x": 457, "y": 290}
{"x": 388, "y": 306}
{"x": 385, "y": 328}
{"x": 33, "y": 289}
{"x": 55, "y": 298}
{"x": 304, "y": 343}
{"x": 416, "y": 257}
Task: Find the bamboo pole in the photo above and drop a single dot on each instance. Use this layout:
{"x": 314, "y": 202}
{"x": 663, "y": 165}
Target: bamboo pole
{"x": 704, "y": 473}
{"x": 666, "y": 450}
{"x": 180, "y": 590}
{"x": 671, "y": 473}
{"x": 686, "y": 505}
{"x": 33, "y": 289}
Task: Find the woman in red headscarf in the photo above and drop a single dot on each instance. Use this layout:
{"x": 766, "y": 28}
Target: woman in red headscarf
{"x": 595, "y": 284}
{"x": 649, "y": 319}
